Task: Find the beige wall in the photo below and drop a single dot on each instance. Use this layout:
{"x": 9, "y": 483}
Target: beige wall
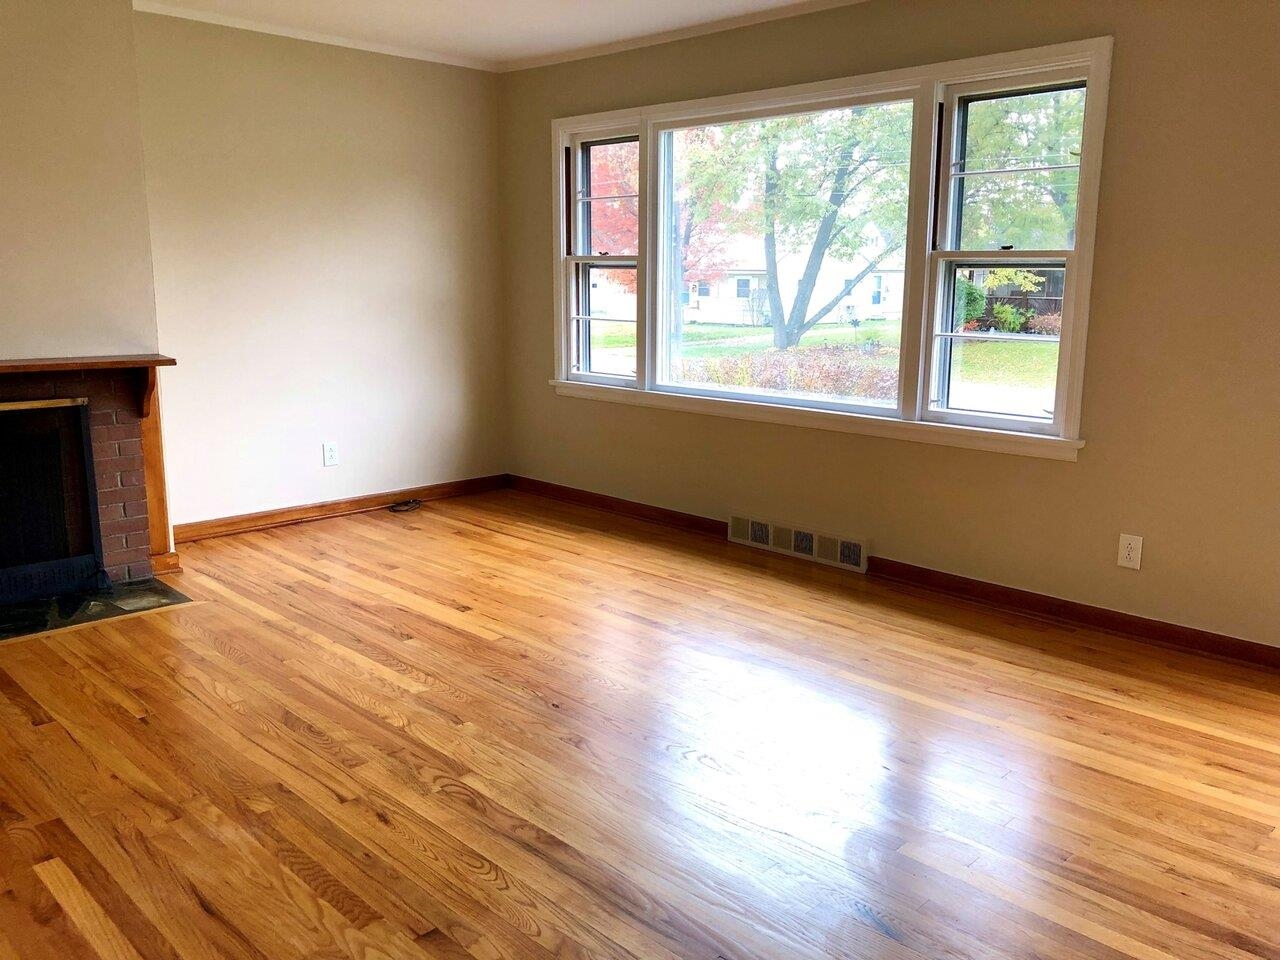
{"x": 325, "y": 231}
{"x": 75, "y": 263}
{"x": 1180, "y": 403}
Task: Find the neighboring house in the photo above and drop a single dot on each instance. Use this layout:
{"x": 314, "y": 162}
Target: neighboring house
{"x": 739, "y": 297}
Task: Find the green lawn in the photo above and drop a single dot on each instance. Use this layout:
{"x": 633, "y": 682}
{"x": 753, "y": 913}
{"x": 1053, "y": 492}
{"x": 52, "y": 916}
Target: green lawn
{"x": 1010, "y": 364}
{"x": 1004, "y": 363}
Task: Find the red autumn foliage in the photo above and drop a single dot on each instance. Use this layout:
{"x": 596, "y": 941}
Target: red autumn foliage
{"x": 615, "y": 224}
{"x": 828, "y": 371}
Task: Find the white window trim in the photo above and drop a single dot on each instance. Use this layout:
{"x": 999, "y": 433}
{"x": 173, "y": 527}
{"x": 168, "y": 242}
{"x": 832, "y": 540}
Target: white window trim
{"x": 928, "y": 87}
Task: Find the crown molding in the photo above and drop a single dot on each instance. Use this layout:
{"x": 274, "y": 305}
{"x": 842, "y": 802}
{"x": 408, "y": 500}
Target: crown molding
{"x": 495, "y": 66}
{"x": 668, "y": 36}
{"x": 258, "y": 26}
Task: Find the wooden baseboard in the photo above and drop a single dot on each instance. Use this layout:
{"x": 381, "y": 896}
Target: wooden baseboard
{"x": 204, "y": 529}
{"x": 162, "y": 563}
{"x": 1169, "y": 635}
{"x": 641, "y": 511}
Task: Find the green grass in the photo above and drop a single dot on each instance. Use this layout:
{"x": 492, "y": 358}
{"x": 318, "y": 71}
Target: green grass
{"x": 1011, "y": 364}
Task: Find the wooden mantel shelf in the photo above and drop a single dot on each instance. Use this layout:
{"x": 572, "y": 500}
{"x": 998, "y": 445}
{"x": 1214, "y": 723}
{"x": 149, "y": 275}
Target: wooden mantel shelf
{"x": 121, "y": 361}
{"x": 125, "y": 361}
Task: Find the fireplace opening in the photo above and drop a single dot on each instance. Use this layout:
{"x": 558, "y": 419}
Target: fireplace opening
{"x": 50, "y": 541}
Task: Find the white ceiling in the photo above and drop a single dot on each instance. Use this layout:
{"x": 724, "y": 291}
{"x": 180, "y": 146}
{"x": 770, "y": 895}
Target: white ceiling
{"x": 488, "y": 34}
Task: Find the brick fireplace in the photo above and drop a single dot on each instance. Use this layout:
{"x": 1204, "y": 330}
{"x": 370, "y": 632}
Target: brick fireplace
{"x": 124, "y": 438}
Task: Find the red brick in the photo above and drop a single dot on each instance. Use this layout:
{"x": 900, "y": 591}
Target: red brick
{"x": 24, "y": 388}
{"x": 130, "y": 448}
{"x": 120, "y": 431}
{"x": 99, "y": 394}
{"x": 140, "y": 571}
{"x": 131, "y": 478}
{"x": 111, "y": 545}
{"x": 119, "y": 494}
{"x": 134, "y": 555}
{"x": 127, "y": 525}
{"x": 102, "y": 418}
{"x": 117, "y": 465}
{"x": 106, "y": 450}
{"x": 116, "y": 573}
{"x": 135, "y": 508}
{"x": 110, "y": 511}
{"x": 142, "y": 539}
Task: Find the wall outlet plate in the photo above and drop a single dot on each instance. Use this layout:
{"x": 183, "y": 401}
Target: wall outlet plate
{"x": 330, "y": 453}
{"x": 1130, "y": 555}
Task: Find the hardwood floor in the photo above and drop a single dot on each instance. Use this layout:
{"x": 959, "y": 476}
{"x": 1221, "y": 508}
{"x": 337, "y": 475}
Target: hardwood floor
{"x": 503, "y": 727}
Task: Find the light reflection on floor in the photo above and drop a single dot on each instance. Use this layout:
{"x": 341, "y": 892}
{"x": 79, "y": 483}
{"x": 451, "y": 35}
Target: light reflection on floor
{"x": 801, "y": 771}
{"x": 777, "y": 753}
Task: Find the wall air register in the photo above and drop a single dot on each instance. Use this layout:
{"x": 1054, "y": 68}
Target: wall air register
{"x": 848, "y": 553}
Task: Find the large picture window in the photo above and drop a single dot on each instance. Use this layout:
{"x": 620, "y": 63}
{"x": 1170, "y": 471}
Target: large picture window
{"x": 903, "y": 254}
{"x": 811, "y": 203}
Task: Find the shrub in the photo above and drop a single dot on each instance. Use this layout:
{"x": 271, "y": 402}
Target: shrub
{"x": 826, "y": 370}
{"x": 1045, "y": 324}
{"x": 1009, "y": 319}
{"x": 971, "y": 302}
{"x": 1006, "y": 318}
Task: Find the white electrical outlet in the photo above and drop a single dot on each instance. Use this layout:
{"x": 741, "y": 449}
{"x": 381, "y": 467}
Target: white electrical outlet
{"x": 330, "y": 454}
{"x": 1130, "y": 555}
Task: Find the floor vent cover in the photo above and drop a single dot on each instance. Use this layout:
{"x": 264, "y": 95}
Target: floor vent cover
{"x": 848, "y": 553}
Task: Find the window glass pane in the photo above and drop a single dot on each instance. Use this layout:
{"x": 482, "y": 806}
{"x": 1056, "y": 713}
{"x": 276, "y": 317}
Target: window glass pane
{"x": 1015, "y": 377}
{"x": 606, "y": 319}
{"x": 1001, "y": 355}
{"x": 1033, "y": 210}
{"x": 774, "y": 231}
{"x": 609, "y": 201}
{"x": 1016, "y": 175}
{"x": 612, "y": 169}
{"x": 1010, "y": 299}
{"x": 608, "y": 347}
{"x": 607, "y": 291}
{"x": 610, "y": 227}
{"x": 1042, "y": 129}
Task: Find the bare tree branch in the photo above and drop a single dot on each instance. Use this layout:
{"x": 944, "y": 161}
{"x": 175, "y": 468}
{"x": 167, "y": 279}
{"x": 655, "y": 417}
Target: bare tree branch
{"x": 847, "y": 289}
{"x": 821, "y": 242}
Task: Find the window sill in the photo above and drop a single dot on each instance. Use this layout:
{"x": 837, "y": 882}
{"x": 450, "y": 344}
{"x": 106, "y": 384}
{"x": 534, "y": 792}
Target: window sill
{"x": 945, "y": 434}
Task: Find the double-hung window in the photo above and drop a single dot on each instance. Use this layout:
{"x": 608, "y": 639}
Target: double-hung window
{"x": 975, "y": 182}
{"x": 602, "y": 243}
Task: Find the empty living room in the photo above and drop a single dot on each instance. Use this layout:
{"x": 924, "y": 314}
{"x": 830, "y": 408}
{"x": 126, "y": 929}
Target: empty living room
{"x": 639, "y": 480}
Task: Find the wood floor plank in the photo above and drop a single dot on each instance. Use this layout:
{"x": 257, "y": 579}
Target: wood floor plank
{"x": 508, "y": 728}
{"x": 86, "y": 913}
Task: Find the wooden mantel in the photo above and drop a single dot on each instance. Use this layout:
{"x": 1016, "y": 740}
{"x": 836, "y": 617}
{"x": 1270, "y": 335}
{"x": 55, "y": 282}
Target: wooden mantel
{"x": 163, "y": 557}
{"x": 123, "y": 361}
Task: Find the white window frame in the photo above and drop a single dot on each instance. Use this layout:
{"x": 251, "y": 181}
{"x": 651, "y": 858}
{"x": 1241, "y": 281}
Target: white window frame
{"x": 934, "y": 91}
{"x": 569, "y": 261}
{"x": 943, "y": 254}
